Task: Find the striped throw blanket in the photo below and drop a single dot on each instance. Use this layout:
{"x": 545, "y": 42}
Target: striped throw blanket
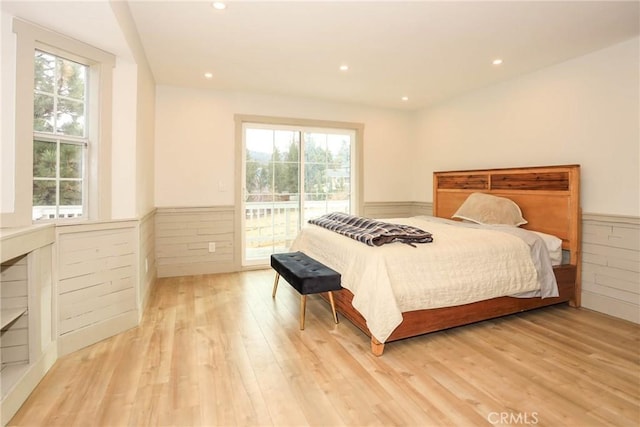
{"x": 370, "y": 231}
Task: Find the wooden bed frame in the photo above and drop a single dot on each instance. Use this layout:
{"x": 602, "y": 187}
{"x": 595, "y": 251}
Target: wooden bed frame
{"x": 549, "y": 197}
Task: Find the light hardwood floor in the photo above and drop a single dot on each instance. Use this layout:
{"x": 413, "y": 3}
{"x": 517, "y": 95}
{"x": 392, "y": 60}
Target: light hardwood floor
{"x": 217, "y": 350}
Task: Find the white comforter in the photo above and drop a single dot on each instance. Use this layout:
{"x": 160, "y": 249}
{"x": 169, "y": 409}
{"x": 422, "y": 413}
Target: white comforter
{"x": 465, "y": 263}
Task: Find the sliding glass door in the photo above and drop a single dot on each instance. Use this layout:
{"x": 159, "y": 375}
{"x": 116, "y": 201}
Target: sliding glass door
{"x": 291, "y": 174}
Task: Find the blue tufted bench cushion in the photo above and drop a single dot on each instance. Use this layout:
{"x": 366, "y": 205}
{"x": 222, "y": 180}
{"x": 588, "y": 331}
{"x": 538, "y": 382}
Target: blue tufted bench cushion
{"x": 307, "y": 276}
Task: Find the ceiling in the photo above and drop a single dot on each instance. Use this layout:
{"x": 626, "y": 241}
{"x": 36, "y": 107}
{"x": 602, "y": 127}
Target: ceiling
{"x": 426, "y": 50}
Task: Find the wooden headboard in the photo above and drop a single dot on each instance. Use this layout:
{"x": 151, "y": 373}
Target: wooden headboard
{"x": 549, "y": 197}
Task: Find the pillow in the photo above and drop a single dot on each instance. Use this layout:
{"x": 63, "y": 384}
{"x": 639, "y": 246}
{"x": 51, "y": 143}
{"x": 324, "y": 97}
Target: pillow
{"x": 486, "y": 209}
{"x": 554, "y": 246}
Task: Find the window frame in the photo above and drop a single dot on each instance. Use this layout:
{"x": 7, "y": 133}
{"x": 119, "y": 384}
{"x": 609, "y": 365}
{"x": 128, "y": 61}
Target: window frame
{"x": 58, "y": 139}
{"x": 241, "y": 120}
{"x": 29, "y": 38}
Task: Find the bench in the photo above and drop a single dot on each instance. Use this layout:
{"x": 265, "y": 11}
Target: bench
{"x": 307, "y": 276}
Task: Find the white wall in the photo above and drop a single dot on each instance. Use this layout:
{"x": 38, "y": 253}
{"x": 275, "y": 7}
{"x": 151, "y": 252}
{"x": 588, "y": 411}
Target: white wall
{"x": 123, "y": 146}
{"x": 145, "y": 149}
{"x": 195, "y": 143}
{"x": 7, "y": 114}
{"x": 581, "y": 111}
{"x": 132, "y": 140}
{"x": 133, "y": 188}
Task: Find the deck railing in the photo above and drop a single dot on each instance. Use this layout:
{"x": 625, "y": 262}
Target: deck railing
{"x": 49, "y": 212}
{"x": 271, "y": 227}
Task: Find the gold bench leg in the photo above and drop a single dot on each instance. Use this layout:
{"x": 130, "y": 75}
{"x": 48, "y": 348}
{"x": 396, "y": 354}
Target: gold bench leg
{"x": 303, "y": 306}
{"x": 333, "y": 307}
{"x": 275, "y": 285}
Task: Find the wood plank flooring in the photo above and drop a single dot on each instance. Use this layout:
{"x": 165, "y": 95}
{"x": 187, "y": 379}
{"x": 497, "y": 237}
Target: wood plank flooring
{"x": 217, "y": 350}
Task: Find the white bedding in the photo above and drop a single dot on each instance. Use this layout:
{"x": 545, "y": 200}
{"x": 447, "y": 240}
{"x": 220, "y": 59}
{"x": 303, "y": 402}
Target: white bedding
{"x": 465, "y": 263}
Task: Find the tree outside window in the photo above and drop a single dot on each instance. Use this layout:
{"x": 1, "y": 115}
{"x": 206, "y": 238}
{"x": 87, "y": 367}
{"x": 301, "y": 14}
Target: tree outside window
{"x": 291, "y": 175}
{"x": 60, "y": 137}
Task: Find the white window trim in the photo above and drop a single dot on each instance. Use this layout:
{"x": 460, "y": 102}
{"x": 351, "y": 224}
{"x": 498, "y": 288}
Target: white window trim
{"x": 30, "y": 37}
{"x": 242, "y": 119}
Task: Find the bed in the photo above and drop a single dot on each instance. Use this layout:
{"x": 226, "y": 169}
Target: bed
{"x": 549, "y": 199}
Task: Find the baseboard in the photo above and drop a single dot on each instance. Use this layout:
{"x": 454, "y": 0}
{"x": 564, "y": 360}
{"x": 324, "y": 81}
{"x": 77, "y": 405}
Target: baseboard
{"x": 145, "y": 297}
{"x": 611, "y": 306}
{"x": 193, "y": 269}
{"x": 25, "y": 385}
{"x": 89, "y": 335}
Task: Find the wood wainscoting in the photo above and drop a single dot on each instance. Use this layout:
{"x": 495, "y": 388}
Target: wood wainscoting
{"x": 611, "y": 265}
{"x": 96, "y": 276}
{"x": 183, "y": 236}
{"x": 380, "y": 210}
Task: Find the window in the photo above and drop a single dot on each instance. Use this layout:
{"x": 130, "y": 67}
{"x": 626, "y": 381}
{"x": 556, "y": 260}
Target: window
{"x": 63, "y": 102}
{"x": 60, "y": 138}
{"x": 292, "y": 171}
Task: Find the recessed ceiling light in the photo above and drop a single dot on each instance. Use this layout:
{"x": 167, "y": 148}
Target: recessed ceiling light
{"x": 405, "y": 98}
{"x": 208, "y": 75}
{"x": 219, "y": 5}
{"x": 497, "y": 61}
{"x": 344, "y": 67}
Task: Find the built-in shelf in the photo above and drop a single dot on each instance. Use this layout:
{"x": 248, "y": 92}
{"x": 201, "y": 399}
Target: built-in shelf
{"x": 9, "y": 315}
{"x": 26, "y": 348}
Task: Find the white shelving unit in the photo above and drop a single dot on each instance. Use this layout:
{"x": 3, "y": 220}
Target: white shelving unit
{"x": 27, "y": 346}
{"x": 14, "y": 333}
{"x": 9, "y": 315}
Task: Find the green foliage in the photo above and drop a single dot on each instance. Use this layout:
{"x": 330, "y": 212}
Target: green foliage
{"x": 59, "y": 98}
{"x": 286, "y": 171}
{"x": 44, "y": 193}
{"x": 59, "y": 109}
{"x": 71, "y": 160}
{"x": 45, "y": 159}
{"x": 70, "y": 193}
{"x": 276, "y": 176}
